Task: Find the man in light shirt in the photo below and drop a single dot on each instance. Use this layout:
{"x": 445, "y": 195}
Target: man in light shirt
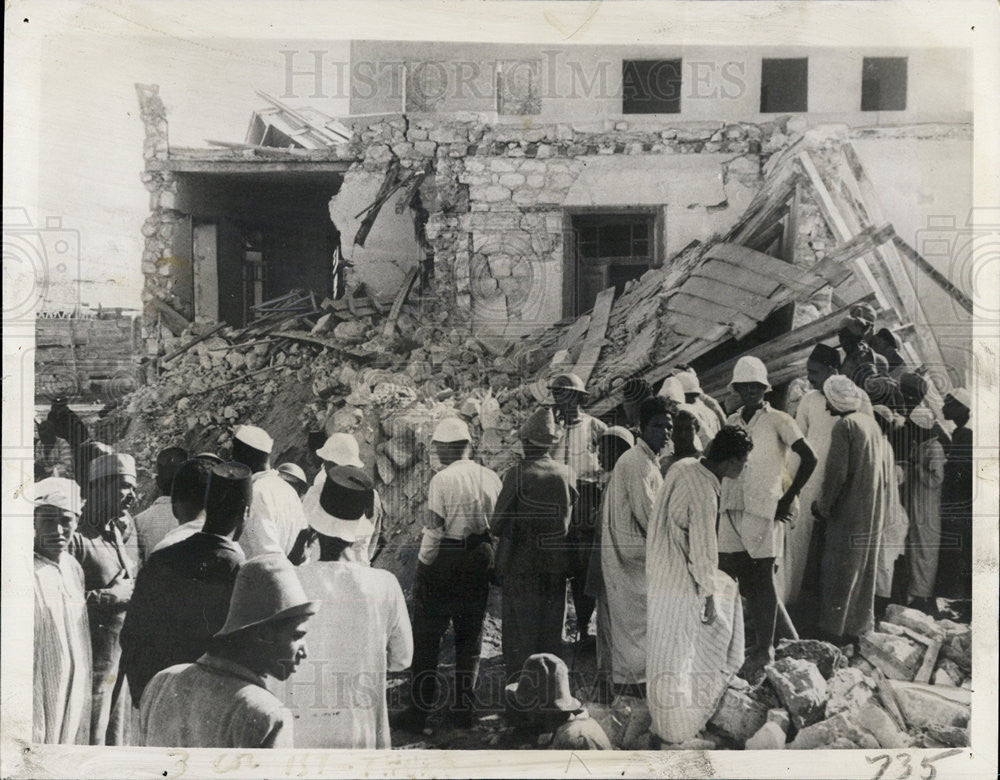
{"x": 452, "y": 580}
{"x": 276, "y": 517}
{"x": 755, "y": 506}
{"x": 362, "y": 632}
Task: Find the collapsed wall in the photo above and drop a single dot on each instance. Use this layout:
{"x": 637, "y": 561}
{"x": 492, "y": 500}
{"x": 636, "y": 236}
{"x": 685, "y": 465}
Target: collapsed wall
{"x": 86, "y": 358}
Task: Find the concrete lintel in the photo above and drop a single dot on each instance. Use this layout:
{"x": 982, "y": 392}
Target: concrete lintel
{"x": 247, "y": 166}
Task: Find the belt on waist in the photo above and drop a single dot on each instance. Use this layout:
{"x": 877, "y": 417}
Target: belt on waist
{"x": 469, "y": 542}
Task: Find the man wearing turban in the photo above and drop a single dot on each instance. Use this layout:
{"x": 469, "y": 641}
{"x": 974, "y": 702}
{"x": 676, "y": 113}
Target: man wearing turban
{"x": 851, "y": 505}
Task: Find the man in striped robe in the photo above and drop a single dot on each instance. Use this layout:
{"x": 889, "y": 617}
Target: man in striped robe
{"x": 694, "y": 620}
{"x": 61, "y": 711}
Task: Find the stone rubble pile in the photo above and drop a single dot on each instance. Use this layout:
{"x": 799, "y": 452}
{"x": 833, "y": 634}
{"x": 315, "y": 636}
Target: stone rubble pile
{"x": 311, "y": 376}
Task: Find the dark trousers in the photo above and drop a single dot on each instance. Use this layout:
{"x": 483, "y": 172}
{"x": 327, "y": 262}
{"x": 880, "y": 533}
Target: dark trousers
{"x": 756, "y": 580}
{"x": 533, "y": 609}
{"x": 582, "y": 529}
{"x": 457, "y": 587}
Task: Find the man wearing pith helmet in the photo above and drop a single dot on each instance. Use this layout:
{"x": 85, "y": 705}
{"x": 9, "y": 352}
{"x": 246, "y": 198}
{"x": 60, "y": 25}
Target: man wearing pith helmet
{"x": 755, "y": 506}
{"x": 452, "y": 579}
{"x": 578, "y": 450}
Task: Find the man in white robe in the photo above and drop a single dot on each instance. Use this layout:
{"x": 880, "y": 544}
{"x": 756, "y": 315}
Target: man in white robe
{"x": 631, "y": 491}
{"x": 694, "y": 620}
{"x": 62, "y": 667}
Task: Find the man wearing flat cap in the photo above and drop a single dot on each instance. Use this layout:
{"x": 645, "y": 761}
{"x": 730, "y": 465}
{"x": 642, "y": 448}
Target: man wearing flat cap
{"x": 62, "y": 662}
{"x": 531, "y": 521}
{"x": 276, "y": 517}
{"x": 578, "y": 450}
{"x": 182, "y": 593}
{"x": 104, "y": 546}
{"x": 362, "y": 635}
{"x": 223, "y": 700}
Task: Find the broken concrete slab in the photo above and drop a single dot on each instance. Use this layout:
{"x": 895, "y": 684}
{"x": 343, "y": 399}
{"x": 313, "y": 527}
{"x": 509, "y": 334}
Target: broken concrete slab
{"x": 826, "y": 733}
{"x": 897, "y": 657}
{"x": 913, "y": 619}
{"x": 880, "y": 724}
{"x": 827, "y": 657}
{"x": 928, "y": 705}
{"x": 770, "y": 736}
{"x": 947, "y": 673}
{"x": 801, "y": 688}
{"x": 850, "y": 690}
{"x": 738, "y": 715}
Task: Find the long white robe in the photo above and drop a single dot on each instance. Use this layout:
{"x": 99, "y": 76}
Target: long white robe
{"x": 817, "y": 426}
{"x": 62, "y": 654}
{"x": 625, "y": 514}
{"x": 688, "y": 663}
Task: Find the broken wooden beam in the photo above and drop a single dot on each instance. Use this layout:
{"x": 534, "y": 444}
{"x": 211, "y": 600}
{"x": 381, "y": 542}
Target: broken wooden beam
{"x": 936, "y": 276}
{"x": 595, "y": 335}
{"x": 389, "y": 185}
{"x": 803, "y": 337}
{"x": 397, "y": 304}
{"x": 176, "y": 322}
{"x": 201, "y": 338}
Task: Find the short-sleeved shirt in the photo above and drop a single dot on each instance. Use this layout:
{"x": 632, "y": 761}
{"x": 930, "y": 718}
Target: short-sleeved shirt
{"x": 749, "y": 502}
{"x": 463, "y": 494}
{"x": 578, "y": 448}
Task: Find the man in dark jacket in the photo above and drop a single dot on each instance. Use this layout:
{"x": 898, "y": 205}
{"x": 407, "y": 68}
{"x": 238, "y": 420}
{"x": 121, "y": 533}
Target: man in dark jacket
{"x": 531, "y": 519}
{"x": 182, "y": 594}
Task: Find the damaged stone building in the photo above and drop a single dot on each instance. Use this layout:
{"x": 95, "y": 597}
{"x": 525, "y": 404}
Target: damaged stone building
{"x": 510, "y": 185}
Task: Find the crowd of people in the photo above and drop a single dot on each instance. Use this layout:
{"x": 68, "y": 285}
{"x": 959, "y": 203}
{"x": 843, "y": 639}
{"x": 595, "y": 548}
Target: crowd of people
{"x": 241, "y": 607}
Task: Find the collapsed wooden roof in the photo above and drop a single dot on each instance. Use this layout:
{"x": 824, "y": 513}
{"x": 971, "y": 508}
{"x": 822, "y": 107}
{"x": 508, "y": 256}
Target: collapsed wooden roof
{"x": 717, "y": 294}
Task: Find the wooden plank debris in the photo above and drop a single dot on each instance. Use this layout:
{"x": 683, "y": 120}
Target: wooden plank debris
{"x": 176, "y": 322}
{"x": 397, "y": 304}
{"x": 201, "y": 338}
{"x": 595, "y": 335}
{"x": 936, "y": 276}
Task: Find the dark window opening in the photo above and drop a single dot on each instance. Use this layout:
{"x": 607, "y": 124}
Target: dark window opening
{"x": 784, "y": 85}
{"x": 651, "y": 86}
{"x": 883, "y": 84}
{"x": 611, "y": 250}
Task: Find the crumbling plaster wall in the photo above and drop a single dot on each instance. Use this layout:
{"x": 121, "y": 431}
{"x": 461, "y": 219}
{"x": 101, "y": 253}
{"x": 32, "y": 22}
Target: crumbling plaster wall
{"x": 498, "y": 196}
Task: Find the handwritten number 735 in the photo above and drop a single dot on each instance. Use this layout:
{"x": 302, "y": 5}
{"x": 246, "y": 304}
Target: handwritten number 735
{"x": 926, "y": 763}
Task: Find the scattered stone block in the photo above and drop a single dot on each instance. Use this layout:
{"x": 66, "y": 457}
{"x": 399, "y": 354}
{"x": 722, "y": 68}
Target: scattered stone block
{"x": 738, "y": 715}
{"x": 780, "y": 717}
{"x": 928, "y": 705}
{"x": 913, "y": 619}
{"x": 826, "y": 733}
{"x": 849, "y": 690}
{"x": 897, "y": 657}
{"x": 948, "y": 736}
{"x": 880, "y": 725}
{"x": 801, "y": 688}
{"x": 770, "y": 736}
{"x": 827, "y": 657}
